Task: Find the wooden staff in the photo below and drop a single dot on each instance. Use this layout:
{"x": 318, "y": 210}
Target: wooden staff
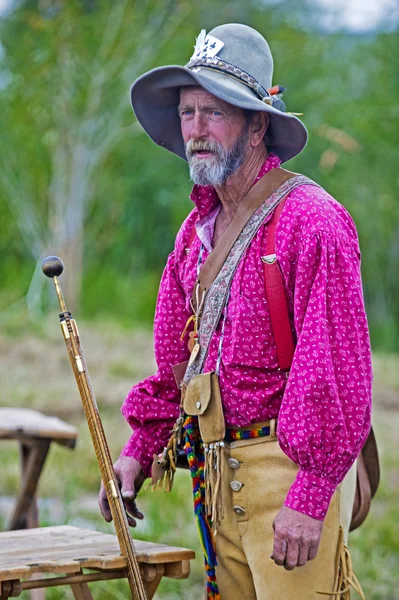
{"x": 53, "y": 267}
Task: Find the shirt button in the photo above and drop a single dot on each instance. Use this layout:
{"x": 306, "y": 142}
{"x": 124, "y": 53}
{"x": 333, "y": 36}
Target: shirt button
{"x": 239, "y": 510}
{"x": 235, "y": 485}
{"x": 233, "y": 462}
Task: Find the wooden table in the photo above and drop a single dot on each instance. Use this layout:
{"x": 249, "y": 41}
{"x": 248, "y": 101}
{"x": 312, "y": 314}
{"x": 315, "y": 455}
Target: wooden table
{"x": 35, "y": 433}
{"x": 76, "y": 557}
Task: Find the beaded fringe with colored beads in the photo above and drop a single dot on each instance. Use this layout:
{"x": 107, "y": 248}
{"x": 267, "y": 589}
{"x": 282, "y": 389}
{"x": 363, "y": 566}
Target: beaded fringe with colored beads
{"x": 233, "y": 435}
{"x": 194, "y": 449}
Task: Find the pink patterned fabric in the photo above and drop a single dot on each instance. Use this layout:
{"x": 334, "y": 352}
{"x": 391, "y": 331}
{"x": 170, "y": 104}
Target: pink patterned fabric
{"x": 323, "y": 408}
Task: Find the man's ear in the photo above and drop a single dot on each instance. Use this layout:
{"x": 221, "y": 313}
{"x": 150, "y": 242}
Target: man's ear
{"x": 259, "y": 126}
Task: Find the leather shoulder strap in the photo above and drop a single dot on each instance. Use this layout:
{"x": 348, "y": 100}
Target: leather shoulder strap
{"x": 264, "y": 188}
{"x": 276, "y": 296}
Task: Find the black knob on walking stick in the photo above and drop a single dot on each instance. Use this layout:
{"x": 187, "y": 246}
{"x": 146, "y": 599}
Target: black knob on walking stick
{"x": 52, "y": 266}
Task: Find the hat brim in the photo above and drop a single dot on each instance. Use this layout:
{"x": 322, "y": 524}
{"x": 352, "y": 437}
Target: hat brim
{"x": 156, "y": 94}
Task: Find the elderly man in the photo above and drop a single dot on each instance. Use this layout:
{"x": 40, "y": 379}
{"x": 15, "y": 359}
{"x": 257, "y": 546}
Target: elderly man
{"x": 286, "y": 428}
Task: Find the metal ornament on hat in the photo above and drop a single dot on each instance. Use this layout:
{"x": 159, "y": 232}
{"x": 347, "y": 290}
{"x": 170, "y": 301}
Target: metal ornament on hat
{"x": 205, "y": 56}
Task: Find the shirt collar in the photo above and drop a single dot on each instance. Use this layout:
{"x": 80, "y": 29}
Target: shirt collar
{"x": 205, "y": 197}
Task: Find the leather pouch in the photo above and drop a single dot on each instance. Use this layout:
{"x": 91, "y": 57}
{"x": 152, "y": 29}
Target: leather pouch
{"x": 179, "y": 371}
{"x": 368, "y": 478}
{"x": 203, "y": 399}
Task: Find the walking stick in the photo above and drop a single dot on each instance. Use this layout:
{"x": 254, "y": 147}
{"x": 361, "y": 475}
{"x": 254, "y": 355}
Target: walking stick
{"x": 53, "y": 267}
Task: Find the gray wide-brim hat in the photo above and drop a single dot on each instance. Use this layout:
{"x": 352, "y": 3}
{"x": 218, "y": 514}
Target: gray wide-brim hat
{"x": 234, "y": 63}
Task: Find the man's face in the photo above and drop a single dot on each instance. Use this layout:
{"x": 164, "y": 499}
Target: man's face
{"x": 215, "y": 134}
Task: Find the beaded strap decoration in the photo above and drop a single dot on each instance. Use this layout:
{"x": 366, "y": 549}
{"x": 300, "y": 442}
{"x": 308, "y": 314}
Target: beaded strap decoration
{"x": 233, "y": 435}
{"x": 194, "y": 449}
{"x": 222, "y": 66}
{"x": 269, "y": 96}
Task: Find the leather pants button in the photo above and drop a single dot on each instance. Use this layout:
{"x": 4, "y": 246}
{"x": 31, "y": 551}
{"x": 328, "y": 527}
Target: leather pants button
{"x": 235, "y": 485}
{"x": 239, "y": 510}
{"x": 233, "y": 462}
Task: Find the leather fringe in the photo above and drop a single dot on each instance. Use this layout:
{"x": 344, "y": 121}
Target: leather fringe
{"x": 213, "y": 475}
{"x": 164, "y": 467}
{"x": 345, "y": 579}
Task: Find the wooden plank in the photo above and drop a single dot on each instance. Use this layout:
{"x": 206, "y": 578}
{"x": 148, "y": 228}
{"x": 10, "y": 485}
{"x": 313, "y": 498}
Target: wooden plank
{"x": 66, "y": 549}
{"x": 64, "y": 537}
{"x": 177, "y": 570}
{"x": 153, "y": 553}
{"x": 19, "y": 423}
{"x": 151, "y": 582}
{"x": 79, "y": 578}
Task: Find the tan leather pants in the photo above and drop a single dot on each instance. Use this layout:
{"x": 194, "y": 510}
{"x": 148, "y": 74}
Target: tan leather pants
{"x": 244, "y": 540}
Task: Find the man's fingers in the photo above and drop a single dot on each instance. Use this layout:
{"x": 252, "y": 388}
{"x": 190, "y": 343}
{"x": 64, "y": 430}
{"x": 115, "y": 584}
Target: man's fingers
{"x": 131, "y": 508}
{"x": 279, "y": 550}
{"x": 291, "y": 559}
{"x": 132, "y": 522}
{"x": 103, "y": 504}
{"x": 301, "y": 534}
{"x": 303, "y": 555}
{"x": 127, "y": 489}
{"x": 128, "y": 495}
{"x": 130, "y": 478}
{"x": 313, "y": 550}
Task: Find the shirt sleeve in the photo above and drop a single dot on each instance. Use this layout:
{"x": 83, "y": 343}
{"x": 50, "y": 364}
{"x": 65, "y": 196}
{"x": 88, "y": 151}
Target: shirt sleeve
{"x": 152, "y": 406}
{"x": 324, "y": 418}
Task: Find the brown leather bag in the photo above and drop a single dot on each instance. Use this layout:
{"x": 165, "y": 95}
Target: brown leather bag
{"x": 367, "y": 480}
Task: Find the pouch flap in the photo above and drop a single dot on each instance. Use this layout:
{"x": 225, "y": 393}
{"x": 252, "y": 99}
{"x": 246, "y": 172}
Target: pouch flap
{"x": 179, "y": 372}
{"x": 198, "y": 394}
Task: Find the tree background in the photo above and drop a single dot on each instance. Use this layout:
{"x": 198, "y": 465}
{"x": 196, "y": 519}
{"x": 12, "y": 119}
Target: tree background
{"x": 78, "y": 177}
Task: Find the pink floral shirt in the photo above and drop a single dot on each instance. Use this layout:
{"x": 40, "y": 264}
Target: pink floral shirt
{"x": 323, "y": 408}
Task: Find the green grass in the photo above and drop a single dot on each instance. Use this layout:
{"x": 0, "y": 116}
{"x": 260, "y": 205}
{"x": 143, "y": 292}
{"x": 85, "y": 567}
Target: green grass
{"x": 34, "y": 372}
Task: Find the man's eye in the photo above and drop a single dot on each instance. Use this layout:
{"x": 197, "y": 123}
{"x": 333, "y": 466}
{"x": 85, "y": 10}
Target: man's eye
{"x": 185, "y": 113}
{"x": 217, "y": 113}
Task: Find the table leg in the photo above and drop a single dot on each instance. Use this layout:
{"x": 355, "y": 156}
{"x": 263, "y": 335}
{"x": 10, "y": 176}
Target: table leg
{"x": 26, "y": 515}
{"x": 32, "y": 513}
{"x": 152, "y": 575}
{"x": 152, "y": 586}
{"x": 33, "y": 457}
{"x": 10, "y": 589}
{"x": 81, "y": 591}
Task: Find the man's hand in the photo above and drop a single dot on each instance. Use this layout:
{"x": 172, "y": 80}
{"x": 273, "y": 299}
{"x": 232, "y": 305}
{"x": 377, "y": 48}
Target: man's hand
{"x": 130, "y": 476}
{"x": 296, "y": 538}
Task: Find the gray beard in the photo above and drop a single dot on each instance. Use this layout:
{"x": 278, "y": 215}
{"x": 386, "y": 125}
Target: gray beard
{"x": 216, "y": 169}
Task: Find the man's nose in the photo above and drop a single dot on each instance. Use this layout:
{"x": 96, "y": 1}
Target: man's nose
{"x": 199, "y": 127}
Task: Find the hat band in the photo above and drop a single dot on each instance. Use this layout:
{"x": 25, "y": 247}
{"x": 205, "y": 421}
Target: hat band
{"x": 215, "y": 64}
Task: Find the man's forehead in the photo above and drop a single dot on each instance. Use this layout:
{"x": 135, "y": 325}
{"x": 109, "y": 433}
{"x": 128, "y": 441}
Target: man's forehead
{"x": 196, "y": 92}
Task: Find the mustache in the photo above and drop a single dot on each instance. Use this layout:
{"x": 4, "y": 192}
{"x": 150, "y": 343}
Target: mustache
{"x": 193, "y": 146}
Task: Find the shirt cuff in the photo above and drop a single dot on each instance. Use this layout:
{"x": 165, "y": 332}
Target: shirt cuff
{"x": 310, "y": 495}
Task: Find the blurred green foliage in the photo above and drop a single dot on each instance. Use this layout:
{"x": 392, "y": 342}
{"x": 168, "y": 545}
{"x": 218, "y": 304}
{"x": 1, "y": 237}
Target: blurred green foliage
{"x": 135, "y": 195}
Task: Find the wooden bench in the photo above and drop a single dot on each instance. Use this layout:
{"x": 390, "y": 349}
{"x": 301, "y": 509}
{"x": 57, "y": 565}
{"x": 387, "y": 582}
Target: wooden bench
{"x": 35, "y": 433}
{"x": 75, "y": 557}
